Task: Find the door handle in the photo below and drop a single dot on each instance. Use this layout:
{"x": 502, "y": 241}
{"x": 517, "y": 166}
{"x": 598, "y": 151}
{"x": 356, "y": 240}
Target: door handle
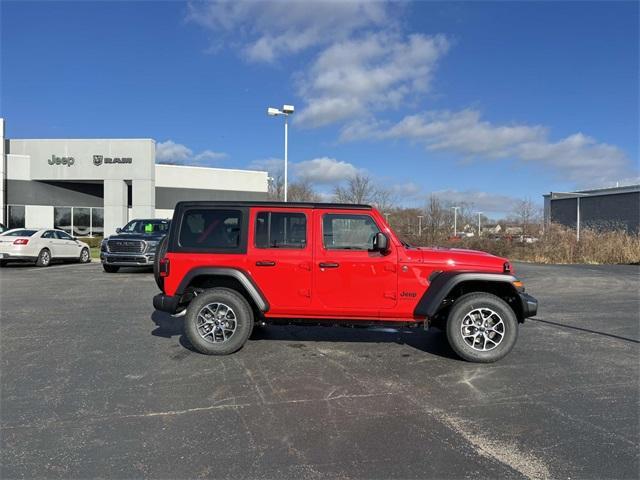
{"x": 265, "y": 263}
{"x": 329, "y": 265}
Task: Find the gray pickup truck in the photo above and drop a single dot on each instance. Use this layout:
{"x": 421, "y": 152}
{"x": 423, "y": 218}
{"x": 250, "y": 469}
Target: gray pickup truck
{"x": 133, "y": 245}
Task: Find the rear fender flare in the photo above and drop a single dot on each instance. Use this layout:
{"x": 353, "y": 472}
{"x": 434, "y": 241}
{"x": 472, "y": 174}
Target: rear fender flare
{"x": 241, "y": 276}
{"x": 445, "y": 282}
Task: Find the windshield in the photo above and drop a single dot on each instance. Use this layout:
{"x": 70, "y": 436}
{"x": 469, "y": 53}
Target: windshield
{"x": 19, "y": 233}
{"x": 147, "y": 226}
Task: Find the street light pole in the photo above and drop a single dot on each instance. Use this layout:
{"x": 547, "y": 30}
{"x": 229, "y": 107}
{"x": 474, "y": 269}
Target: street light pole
{"x": 479, "y": 226}
{"x": 420, "y": 225}
{"x": 455, "y": 221}
{"x": 286, "y": 154}
{"x": 286, "y": 111}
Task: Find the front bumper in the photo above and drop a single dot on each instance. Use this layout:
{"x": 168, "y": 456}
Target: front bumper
{"x": 127, "y": 259}
{"x": 529, "y": 305}
{"x": 166, "y": 303}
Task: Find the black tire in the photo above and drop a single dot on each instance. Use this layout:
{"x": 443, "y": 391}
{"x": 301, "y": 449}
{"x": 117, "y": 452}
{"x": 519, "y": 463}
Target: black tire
{"x": 110, "y": 268}
{"x": 85, "y": 256}
{"x": 243, "y": 315}
{"x": 44, "y": 258}
{"x": 161, "y": 250}
{"x": 467, "y": 304}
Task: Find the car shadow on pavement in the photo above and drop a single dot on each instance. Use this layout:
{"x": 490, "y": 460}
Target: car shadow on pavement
{"x": 434, "y": 341}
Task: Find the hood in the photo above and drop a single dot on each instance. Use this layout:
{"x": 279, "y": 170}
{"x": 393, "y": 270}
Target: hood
{"x": 136, "y": 236}
{"x": 461, "y": 259}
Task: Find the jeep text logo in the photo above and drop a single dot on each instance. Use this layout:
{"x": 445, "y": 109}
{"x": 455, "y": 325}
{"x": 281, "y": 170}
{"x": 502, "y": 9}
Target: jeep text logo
{"x": 61, "y": 160}
{"x": 99, "y": 160}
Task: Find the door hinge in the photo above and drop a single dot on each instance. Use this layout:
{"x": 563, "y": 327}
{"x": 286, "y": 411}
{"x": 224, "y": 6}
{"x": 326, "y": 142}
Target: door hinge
{"x": 391, "y": 295}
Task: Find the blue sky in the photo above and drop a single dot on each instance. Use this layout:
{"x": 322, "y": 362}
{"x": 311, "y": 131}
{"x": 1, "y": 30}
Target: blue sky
{"x": 481, "y": 102}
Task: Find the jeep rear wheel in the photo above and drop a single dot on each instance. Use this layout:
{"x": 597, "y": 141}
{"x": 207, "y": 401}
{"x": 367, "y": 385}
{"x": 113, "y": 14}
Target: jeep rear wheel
{"x": 481, "y": 327}
{"x": 218, "y": 321}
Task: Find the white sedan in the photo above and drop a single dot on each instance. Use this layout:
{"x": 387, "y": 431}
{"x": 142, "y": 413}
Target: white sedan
{"x": 41, "y": 246}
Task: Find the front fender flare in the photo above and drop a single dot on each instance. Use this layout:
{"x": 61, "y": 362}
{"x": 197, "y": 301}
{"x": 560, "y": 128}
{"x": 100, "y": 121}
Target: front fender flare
{"x": 445, "y": 282}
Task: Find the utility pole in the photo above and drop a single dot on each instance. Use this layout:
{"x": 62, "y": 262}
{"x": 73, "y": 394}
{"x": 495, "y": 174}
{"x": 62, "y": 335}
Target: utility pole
{"x": 420, "y": 225}
{"x": 455, "y": 221}
{"x": 479, "y": 225}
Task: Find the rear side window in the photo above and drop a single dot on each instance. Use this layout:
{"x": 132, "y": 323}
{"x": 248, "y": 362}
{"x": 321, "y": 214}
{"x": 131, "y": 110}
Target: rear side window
{"x": 281, "y": 230}
{"x": 211, "y": 229}
{"x": 348, "y": 232}
{"x": 49, "y": 234}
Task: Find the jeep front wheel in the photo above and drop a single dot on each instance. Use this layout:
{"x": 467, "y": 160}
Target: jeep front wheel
{"x": 481, "y": 327}
{"x": 218, "y": 321}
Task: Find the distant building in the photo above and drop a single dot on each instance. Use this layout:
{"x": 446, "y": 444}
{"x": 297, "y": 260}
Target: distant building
{"x": 492, "y": 229}
{"x": 616, "y": 208}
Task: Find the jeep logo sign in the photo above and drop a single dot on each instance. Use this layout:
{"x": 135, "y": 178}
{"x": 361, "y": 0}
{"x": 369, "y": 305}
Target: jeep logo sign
{"x": 99, "y": 160}
{"x": 68, "y": 161}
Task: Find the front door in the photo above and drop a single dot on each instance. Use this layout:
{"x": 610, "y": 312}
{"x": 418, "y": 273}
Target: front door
{"x": 69, "y": 247}
{"x": 279, "y": 258}
{"x": 350, "y": 279}
{"x": 53, "y": 243}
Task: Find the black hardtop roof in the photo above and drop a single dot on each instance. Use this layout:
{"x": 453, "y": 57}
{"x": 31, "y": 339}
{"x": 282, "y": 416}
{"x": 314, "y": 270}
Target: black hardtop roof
{"x": 311, "y": 205}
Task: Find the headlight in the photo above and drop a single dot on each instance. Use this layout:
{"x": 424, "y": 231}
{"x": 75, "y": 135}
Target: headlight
{"x": 151, "y": 245}
{"x": 103, "y": 245}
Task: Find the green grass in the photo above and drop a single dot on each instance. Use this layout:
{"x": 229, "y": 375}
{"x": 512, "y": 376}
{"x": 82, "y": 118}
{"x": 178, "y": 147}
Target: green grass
{"x": 95, "y": 252}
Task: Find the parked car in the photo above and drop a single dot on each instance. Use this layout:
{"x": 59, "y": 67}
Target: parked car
{"x": 134, "y": 245}
{"x": 41, "y": 246}
{"x": 231, "y": 265}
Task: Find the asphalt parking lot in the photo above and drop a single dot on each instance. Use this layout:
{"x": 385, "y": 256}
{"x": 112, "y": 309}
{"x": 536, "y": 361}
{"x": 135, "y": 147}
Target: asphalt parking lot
{"x": 95, "y": 384}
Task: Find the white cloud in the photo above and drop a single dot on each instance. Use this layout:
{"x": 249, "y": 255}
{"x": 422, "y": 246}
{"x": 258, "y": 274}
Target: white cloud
{"x": 356, "y": 77}
{"x": 274, "y": 166}
{"x": 578, "y": 158}
{"x": 324, "y": 170}
{"x": 267, "y": 30}
{"x": 171, "y": 152}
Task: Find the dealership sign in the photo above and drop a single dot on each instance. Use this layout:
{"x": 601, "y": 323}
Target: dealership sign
{"x": 68, "y": 161}
{"x": 99, "y": 160}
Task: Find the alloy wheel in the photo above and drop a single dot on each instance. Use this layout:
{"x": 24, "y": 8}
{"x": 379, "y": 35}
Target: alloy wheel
{"x": 482, "y": 329}
{"x": 216, "y": 322}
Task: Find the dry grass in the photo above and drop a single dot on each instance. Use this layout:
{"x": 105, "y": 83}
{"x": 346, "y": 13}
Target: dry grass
{"x": 559, "y": 245}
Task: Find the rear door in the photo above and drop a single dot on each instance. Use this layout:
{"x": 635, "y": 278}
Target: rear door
{"x": 280, "y": 256}
{"x": 350, "y": 279}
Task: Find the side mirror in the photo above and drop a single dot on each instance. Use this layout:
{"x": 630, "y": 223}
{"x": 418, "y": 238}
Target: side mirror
{"x": 118, "y": 230}
{"x": 380, "y": 242}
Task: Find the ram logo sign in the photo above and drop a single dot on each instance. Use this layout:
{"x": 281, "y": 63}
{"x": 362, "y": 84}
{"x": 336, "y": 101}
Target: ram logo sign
{"x": 99, "y": 160}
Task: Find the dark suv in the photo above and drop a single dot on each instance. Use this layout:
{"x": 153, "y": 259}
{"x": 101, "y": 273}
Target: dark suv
{"x": 230, "y": 265}
{"x": 134, "y": 245}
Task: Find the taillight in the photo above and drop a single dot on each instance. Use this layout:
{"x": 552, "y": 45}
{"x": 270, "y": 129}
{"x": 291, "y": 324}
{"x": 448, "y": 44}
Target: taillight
{"x": 21, "y": 241}
{"x": 163, "y": 267}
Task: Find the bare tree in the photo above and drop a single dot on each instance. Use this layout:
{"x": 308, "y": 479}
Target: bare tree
{"x": 436, "y": 219}
{"x": 302, "y": 191}
{"x": 525, "y": 212}
{"x": 360, "y": 188}
{"x": 276, "y": 186}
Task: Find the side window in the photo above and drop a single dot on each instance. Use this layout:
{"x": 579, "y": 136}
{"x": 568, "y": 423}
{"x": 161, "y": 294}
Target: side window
{"x": 281, "y": 230}
{"x": 211, "y": 229}
{"x": 63, "y": 235}
{"x": 348, "y": 232}
{"x": 49, "y": 234}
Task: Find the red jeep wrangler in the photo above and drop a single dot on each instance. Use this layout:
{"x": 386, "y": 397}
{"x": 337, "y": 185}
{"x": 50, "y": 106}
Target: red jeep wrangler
{"x": 233, "y": 264}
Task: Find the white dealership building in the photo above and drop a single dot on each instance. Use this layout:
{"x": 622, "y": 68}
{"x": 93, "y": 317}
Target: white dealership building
{"x": 92, "y": 186}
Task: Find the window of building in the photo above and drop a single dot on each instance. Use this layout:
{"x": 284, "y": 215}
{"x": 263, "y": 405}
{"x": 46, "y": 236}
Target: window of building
{"x": 15, "y": 216}
{"x": 348, "y": 232}
{"x": 97, "y": 222}
{"x": 281, "y": 230}
{"x": 62, "y": 218}
{"x": 211, "y": 229}
{"x": 81, "y": 226}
